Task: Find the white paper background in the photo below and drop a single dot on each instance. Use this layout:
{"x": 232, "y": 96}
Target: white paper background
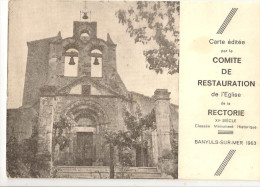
{"x": 42, "y": 182}
{"x": 200, "y": 23}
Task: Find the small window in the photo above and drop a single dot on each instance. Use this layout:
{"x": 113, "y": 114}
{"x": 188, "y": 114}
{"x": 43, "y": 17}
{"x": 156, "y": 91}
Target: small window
{"x": 96, "y": 63}
{"x": 71, "y": 63}
{"x": 84, "y": 37}
{"x": 86, "y": 89}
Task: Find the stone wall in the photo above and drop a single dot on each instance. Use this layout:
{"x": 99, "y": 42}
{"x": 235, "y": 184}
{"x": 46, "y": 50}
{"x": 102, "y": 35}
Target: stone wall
{"x": 45, "y": 62}
{"x": 20, "y": 122}
{"x": 174, "y": 117}
{"x": 36, "y": 70}
{"x": 46, "y": 98}
{"x": 44, "y": 128}
{"x": 146, "y": 103}
{"x": 111, "y": 118}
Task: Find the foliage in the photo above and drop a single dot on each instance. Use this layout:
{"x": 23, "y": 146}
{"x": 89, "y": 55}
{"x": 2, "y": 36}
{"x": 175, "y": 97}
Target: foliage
{"x": 167, "y": 167}
{"x": 169, "y": 159}
{"x": 120, "y": 140}
{"x": 22, "y": 159}
{"x": 136, "y": 124}
{"x": 59, "y": 138}
{"x": 126, "y": 156}
{"x": 155, "y": 23}
{"x": 175, "y": 147}
{"x": 167, "y": 154}
{"x": 174, "y": 144}
{"x": 12, "y": 158}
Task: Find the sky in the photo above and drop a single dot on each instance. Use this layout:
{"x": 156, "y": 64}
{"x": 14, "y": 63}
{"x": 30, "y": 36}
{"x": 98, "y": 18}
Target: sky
{"x": 34, "y": 20}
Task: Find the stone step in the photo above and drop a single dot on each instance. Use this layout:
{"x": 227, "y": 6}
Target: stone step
{"x": 82, "y": 168}
{"x": 102, "y": 169}
{"x": 84, "y": 175}
{"x": 143, "y": 169}
{"x": 89, "y": 175}
{"x": 146, "y": 175}
{"x": 97, "y": 172}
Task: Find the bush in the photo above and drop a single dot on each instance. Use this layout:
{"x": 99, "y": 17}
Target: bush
{"x": 22, "y": 160}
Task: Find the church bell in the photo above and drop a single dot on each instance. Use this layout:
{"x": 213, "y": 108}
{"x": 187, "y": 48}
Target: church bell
{"x": 72, "y": 61}
{"x": 85, "y": 15}
{"x": 96, "y": 61}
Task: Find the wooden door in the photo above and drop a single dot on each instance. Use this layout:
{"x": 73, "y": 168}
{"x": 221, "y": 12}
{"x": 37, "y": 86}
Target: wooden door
{"x": 141, "y": 157}
{"x": 84, "y": 148}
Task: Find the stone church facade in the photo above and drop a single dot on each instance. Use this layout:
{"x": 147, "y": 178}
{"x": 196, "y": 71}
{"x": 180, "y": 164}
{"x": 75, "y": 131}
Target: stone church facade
{"x": 77, "y": 77}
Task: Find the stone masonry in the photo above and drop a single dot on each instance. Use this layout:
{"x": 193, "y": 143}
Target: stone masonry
{"x": 93, "y": 104}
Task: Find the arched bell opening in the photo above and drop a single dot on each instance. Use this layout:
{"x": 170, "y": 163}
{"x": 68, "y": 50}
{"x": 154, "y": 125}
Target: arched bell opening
{"x": 96, "y": 63}
{"x": 71, "y": 63}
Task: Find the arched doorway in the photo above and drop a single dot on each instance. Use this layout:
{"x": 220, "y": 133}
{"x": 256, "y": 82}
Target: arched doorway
{"x": 86, "y": 141}
{"x": 86, "y": 137}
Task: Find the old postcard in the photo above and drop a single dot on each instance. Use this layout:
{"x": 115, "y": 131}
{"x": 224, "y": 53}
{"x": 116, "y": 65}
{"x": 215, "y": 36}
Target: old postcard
{"x": 219, "y": 91}
{"x": 95, "y": 91}
{"x": 133, "y": 90}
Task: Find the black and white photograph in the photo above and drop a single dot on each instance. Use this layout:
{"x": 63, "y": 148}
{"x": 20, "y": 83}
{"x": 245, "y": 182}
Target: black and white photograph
{"x": 93, "y": 89}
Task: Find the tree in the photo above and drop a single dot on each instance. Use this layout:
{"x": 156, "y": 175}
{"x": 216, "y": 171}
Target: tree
{"x": 136, "y": 125}
{"x": 12, "y": 157}
{"x": 22, "y": 160}
{"x": 155, "y": 23}
{"x": 59, "y": 127}
{"x": 111, "y": 139}
{"x": 120, "y": 140}
{"x": 124, "y": 141}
